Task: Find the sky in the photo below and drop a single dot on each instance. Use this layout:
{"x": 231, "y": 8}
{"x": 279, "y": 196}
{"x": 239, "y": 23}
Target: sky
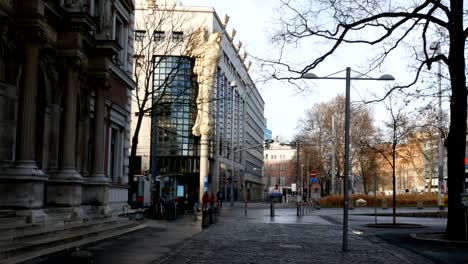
{"x": 254, "y": 20}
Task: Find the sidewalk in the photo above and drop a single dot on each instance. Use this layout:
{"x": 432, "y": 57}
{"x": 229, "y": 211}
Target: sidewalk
{"x": 144, "y": 246}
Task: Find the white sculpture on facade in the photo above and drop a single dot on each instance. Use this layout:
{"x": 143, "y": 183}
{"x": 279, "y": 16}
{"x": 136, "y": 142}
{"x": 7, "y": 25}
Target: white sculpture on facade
{"x": 207, "y": 51}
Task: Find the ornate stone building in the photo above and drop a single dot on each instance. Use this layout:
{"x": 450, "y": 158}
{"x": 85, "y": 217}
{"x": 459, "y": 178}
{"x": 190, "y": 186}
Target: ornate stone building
{"x": 65, "y": 100}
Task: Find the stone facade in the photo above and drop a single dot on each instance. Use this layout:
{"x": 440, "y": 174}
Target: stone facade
{"x": 65, "y": 100}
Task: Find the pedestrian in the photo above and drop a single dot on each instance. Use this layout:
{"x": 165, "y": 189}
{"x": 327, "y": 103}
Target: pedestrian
{"x": 220, "y": 198}
{"x": 212, "y": 201}
{"x": 195, "y": 202}
{"x": 205, "y": 200}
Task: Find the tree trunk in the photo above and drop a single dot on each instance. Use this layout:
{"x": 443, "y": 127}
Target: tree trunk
{"x": 456, "y": 140}
{"x": 394, "y": 176}
{"x": 133, "y": 152}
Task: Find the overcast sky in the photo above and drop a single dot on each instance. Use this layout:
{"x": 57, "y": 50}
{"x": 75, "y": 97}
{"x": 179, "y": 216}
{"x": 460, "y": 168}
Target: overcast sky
{"x": 284, "y": 106}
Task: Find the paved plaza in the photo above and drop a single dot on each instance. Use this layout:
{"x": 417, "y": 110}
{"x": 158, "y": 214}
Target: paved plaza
{"x": 286, "y": 238}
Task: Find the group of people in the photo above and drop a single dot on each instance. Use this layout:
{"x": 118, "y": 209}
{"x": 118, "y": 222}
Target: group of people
{"x": 192, "y": 201}
{"x": 211, "y": 199}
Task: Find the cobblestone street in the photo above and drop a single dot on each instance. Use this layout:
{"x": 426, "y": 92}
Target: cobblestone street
{"x": 315, "y": 237}
{"x": 239, "y": 239}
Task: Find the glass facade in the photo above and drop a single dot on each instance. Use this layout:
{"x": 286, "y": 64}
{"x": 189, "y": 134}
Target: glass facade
{"x": 235, "y": 125}
{"x": 172, "y": 144}
{"x": 228, "y": 101}
{"x": 221, "y": 111}
{"x": 173, "y": 98}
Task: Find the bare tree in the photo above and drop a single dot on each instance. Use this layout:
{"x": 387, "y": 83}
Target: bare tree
{"x": 397, "y": 131}
{"x": 426, "y": 135}
{"x": 367, "y": 166}
{"x": 341, "y": 22}
{"x": 316, "y": 130}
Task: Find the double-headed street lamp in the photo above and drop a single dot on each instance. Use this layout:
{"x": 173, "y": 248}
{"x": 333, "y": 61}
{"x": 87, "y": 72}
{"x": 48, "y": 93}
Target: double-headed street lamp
{"x": 348, "y": 78}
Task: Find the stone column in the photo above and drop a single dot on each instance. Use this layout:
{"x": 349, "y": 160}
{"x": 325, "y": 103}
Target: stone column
{"x": 96, "y": 186}
{"x": 22, "y": 184}
{"x": 64, "y": 187}
{"x": 54, "y": 141}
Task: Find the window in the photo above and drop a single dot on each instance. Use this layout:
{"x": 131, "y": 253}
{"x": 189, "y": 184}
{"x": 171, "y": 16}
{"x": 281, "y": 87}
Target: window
{"x": 177, "y": 36}
{"x": 120, "y": 32}
{"x": 115, "y": 154}
{"x": 140, "y": 35}
{"x": 158, "y": 36}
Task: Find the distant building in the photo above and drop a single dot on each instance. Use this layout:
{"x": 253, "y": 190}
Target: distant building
{"x": 235, "y": 144}
{"x": 65, "y": 96}
{"x": 410, "y": 163}
{"x": 279, "y": 169}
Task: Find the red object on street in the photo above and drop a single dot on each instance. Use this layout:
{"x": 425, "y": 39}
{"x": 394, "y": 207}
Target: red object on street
{"x": 212, "y": 199}
{"x": 139, "y": 199}
{"x": 205, "y": 198}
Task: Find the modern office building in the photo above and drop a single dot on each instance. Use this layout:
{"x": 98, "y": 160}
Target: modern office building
{"x": 65, "y": 101}
{"x": 235, "y": 152}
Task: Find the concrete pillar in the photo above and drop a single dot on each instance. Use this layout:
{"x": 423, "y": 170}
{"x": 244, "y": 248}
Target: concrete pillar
{"x": 96, "y": 186}
{"x": 64, "y": 186}
{"x": 204, "y": 164}
{"x": 22, "y": 184}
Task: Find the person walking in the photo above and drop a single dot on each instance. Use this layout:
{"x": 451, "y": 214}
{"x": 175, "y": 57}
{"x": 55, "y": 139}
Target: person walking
{"x": 205, "y": 200}
{"x": 220, "y": 198}
{"x": 212, "y": 201}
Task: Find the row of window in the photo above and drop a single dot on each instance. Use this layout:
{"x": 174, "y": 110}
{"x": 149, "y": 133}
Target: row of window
{"x": 158, "y": 36}
{"x": 273, "y": 157}
{"x": 281, "y": 167}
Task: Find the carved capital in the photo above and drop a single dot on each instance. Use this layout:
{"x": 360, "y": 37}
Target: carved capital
{"x": 74, "y": 59}
{"x": 32, "y": 34}
{"x": 99, "y": 80}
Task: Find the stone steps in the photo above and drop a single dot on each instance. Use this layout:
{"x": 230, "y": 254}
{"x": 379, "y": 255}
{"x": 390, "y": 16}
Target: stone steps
{"x": 32, "y": 231}
{"x": 35, "y": 244}
{"x": 13, "y": 222}
{"x": 7, "y": 212}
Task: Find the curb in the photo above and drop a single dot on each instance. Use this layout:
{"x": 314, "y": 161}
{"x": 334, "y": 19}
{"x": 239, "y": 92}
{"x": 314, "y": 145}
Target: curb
{"x": 438, "y": 238}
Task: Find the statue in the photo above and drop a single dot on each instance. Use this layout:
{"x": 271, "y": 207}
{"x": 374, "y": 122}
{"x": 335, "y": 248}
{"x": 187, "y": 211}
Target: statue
{"x": 207, "y": 52}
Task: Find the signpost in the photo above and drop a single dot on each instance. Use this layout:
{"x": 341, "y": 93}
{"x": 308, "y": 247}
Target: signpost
{"x": 313, "y": 177}
{"x": 464, "y": 204}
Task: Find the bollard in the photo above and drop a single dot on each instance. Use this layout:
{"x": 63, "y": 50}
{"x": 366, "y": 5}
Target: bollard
{"x": 215, "y": 215}
{"x": 419, "y": 204}
{"x": 298, "y": 209}
{"x": 245, "y": 208}
{"x": 272, "y": 209}
{"x": 205, "y": 219}
{"x": 210, "y": 213}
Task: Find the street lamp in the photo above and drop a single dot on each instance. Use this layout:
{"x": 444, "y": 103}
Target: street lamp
{"x": 233, "y": 85}
{"x": 435, "y": 46}
{"x": 348, "y": 78}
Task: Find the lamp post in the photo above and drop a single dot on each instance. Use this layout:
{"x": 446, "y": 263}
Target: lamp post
{"x": 435, "y": 46}
{"x": 334, "y": 178}
{"x": 348, "y": 78}
{"x": 233, "y": 85}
